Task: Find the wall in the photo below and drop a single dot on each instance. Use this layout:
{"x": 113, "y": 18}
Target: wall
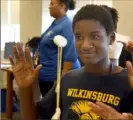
{"x": 30, "y": 19}
{"x": 26, "y": 13}
{"x": 3, "y": 12}
{"x": 14, "y": 12}
{"x": 125, "y": 9}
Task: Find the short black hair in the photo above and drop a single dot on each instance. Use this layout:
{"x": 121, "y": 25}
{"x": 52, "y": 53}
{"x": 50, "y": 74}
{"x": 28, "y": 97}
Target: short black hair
{"x": 70, "y": 4}
{"x": 98, "y": 13}
{"x": 114, "y": 13}
{"x": 33, "y": 42}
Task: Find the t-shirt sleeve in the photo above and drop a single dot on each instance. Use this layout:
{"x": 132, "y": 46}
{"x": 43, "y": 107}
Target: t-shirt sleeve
{"x": 46, "y": 106}
{"x": 69, "y": 51}
{"x": 127, "y": 103}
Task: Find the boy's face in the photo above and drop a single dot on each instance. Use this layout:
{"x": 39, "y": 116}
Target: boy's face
{"x": 92, "y": 42}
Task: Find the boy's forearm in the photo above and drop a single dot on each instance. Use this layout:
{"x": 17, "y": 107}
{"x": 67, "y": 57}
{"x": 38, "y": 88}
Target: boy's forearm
{"x": 28, "y": 106}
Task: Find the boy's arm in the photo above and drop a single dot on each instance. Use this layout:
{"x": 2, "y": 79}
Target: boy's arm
{"x": 43, "y": 109}
{"x": 46, "y": 106}
{"x": 28, "y": 107}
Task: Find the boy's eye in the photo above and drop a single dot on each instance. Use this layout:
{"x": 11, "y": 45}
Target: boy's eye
{"x": 78, "y": 37}
{"x": 95, "y": 37}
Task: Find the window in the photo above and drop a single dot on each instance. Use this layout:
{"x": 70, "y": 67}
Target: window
{"x": 10, "y": 30}
{"x": 9, "y": 33}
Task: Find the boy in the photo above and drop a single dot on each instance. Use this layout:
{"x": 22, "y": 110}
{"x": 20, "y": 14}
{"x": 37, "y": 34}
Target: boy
{"x": 100, "y": 90}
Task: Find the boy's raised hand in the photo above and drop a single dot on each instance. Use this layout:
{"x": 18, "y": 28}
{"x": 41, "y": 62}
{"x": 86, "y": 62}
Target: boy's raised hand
{"x": 22, "y": 67}
{"x": 130, "y": 73}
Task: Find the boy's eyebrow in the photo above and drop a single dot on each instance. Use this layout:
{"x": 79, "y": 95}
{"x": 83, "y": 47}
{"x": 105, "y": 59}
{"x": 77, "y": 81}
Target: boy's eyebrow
{"x": 95, "y": 31}
{"x": 92, "y": 32}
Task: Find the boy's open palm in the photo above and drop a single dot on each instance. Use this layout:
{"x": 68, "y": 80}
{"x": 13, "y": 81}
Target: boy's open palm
{"x": 106, "y": 111}
{"x": 23, "y": 70}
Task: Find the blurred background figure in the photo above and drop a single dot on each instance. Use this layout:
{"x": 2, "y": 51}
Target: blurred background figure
{"x": 46, "y": 50}
{"x": 119, "y": 52}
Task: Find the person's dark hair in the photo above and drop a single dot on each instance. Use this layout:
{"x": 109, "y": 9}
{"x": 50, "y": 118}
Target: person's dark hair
{"x": 97, "y": 13}
{"x": 70, "y": 4}
{"x": 114, "y": 13}
{"x": 33, "y": 42}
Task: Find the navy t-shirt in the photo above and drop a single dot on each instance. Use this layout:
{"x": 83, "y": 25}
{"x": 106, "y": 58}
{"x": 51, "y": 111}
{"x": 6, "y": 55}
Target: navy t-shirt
{"x": 48, "y": 50}
{"x": 79, "y": 87}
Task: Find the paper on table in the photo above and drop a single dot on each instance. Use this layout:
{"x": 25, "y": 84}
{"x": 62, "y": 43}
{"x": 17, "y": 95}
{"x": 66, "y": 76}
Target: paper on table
{"x": 3, "y": 66}
{"x": 122, "y": 38}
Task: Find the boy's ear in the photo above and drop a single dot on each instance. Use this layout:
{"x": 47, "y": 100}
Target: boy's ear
{"x": 112, "y": 38}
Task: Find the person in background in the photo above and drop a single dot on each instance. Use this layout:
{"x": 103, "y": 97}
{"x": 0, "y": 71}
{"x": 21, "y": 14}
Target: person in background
{"x": 99, "y": 90}
{"x": 33, "y": 43}
{"x": 129, "y": 46}
{"x": 127, "y": 53}
{"x": 114, "y": 52}
{"x": 47, "y": 50}
{"x": 119, "y": 52}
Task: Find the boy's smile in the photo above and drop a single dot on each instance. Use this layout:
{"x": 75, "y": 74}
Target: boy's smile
{"x": 92, "y": 42}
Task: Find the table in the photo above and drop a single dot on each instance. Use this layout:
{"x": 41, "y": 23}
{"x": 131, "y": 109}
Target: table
{"x": 9, "y": 95}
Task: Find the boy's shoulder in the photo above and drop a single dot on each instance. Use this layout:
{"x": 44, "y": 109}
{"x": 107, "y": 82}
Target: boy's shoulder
{"x": 73, "y": 76}
{"x": 80, "y": 72}
{"x": 75, "y": 72}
